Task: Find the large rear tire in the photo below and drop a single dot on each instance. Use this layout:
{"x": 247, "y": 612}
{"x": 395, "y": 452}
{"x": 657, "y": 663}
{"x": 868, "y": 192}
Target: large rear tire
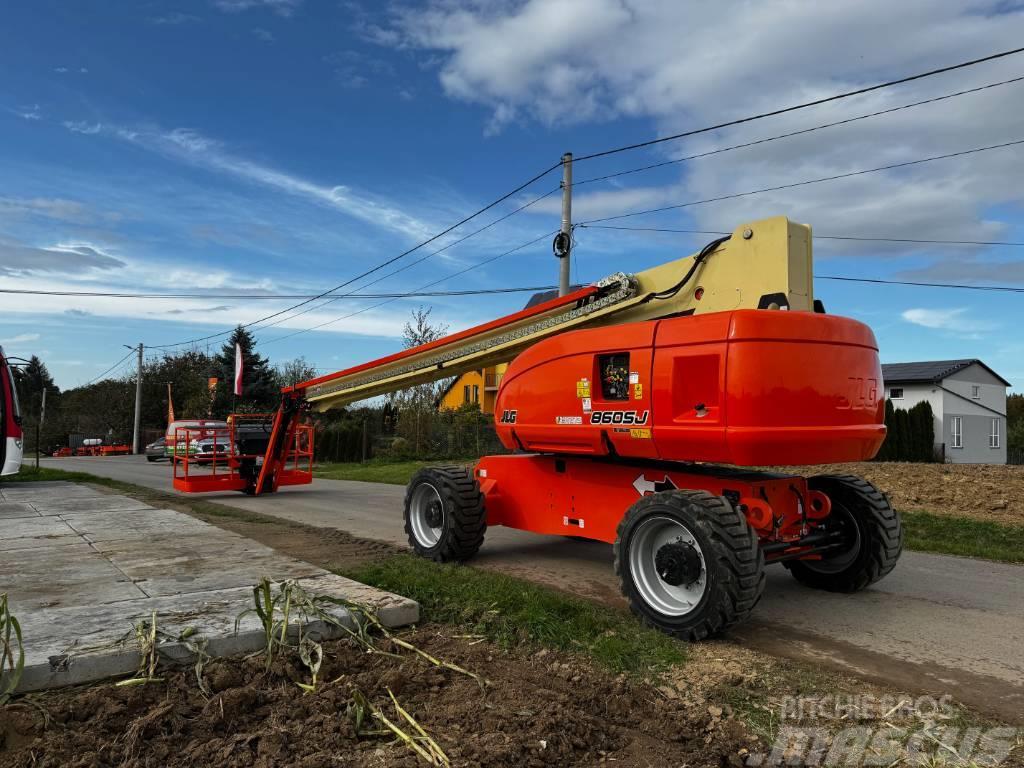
{"x": 874, "y": 535}
{"x": 444, "y": 514}
{"x": 688, "y": 563}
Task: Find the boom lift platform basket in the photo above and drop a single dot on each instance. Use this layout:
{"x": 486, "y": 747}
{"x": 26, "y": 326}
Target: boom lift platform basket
{"x": 233, "y": 458}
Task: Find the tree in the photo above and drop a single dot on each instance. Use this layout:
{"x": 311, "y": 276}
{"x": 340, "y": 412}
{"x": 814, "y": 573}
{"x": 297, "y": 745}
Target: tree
{"x": 30, "y": 380}
{"x": 292, "y": 372}
{"x": 415, "y": 406}
{"x": 188, "y": 373}
{"x": 259, "y": 383}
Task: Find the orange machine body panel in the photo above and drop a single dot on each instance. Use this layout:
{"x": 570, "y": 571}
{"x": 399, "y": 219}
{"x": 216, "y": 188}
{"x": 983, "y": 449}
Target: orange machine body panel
{"x": 587, "y": 497}
{"x": 746, "y": 387}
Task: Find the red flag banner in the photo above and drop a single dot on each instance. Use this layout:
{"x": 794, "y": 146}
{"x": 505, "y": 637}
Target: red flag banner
{"x": 239, "y": 362}
{"x": 170, "y": 405}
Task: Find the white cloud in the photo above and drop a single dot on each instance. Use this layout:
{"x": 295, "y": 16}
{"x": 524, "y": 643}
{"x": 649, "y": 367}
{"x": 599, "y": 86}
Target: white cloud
{"x": 81, "y": 126}
{"x": 948, "y": 319}
{"x": 174, "y": 18}
{"x": 62, "y": 258}
{"x": 21, "y": 338}
{"x": 48, "y": 207}
{"x": 263, "y": 35}
{"x": 280, "y": 7}
{"x": 192, "y": 147}
{"x": 30, "y": 112}
{"x": 684, "y": 65}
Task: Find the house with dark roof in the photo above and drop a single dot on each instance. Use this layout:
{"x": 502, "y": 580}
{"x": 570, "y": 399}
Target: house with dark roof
{"x": 968, "y": 401}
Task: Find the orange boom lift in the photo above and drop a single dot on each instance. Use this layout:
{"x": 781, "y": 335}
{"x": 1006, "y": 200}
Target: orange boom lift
{"x": 634, "y": 409}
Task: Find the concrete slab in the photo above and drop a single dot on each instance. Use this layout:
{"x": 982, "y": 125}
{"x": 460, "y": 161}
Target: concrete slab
{"x": 11, "y": 510}
{"x": 66, "y": 505}
{"x": 104, "y": 645}
{"x": 60, "y": 576}
{"x": 133, "y": 524}
{"x": 25, "y": 532}
{"x": 21, "y": 491}
{"x": 80, "y": 575}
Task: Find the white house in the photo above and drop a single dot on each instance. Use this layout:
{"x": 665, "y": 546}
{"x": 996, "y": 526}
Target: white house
{"x": 968, "y": 401}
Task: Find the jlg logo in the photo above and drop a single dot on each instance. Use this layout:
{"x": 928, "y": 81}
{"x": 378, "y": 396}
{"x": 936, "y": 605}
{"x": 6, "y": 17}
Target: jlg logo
{"x": 508, "y": 417}
{"x": 862, "y": 395}
{"x": 619, "y": 417}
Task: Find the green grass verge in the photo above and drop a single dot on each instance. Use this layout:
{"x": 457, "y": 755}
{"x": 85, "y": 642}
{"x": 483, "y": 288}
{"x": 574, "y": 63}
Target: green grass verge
{"x": 391, "y": 472}
{"x": 512, "y": 612}
{"x": 962, "y": 536}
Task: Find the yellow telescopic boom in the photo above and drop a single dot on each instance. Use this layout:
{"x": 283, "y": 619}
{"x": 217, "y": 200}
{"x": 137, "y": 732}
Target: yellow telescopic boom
{"x": 764, "y": 264}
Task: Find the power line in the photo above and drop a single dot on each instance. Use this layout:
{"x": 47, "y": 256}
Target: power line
{"x": 115, "y": 365}
{"x": 422, "y": 287}
{"x": 420, "y": 260}
{"x": 285, "y": 296}
{"x": 816, "y": 236}
{"x": 806, "y": 182}
{"x": 796, "y": 107}
{"x": 1002, "y": 288}
{"x": 746, "y": 144}
{"x": 381, "y": 265}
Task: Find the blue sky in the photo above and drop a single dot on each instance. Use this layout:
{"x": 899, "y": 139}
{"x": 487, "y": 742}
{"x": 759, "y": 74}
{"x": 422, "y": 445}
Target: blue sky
{"x": 283, "y": 146}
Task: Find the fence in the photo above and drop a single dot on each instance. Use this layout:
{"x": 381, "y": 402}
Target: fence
{"x": 1015, "y": 455}
{"x": 427, "y": 440}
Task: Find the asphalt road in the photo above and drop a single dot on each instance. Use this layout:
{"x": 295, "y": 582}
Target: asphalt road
{"x": 936, "y": 625}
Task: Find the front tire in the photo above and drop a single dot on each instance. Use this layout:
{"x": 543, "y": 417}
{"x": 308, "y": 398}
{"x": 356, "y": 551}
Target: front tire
{"x": 688, "y": 563}
{"x": 444, "y": 514}
{"x": 874, "y": 533}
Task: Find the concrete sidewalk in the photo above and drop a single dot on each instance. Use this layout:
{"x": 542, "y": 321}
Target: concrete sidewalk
{"x": 81, "y": 567}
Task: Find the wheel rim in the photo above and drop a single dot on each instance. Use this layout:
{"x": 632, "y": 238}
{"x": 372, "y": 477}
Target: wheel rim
{"x": 426, "y": 515}
{"x": 840, "y": 519}
{"x": 666, "y": 542}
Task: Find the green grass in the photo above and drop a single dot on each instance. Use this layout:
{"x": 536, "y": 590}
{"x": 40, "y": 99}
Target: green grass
{"x": 926, "y": 532}
{"x": 513, "y": 612}
{"x": 391, "y": 472}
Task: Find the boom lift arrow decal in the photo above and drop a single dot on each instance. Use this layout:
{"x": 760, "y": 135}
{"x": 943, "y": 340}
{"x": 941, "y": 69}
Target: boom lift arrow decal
{"x": 644, "y": 486}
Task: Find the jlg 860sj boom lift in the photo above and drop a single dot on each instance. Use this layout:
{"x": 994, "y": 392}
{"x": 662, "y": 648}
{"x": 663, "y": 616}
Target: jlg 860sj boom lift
{"x": 631, "y": 407}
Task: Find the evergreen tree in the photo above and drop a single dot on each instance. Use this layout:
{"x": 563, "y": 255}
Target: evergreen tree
{"x": 259, "y": 382}
{"x": 885, "y": 453}
{"x": 922, "y": 433}
{"x": 30, "y": 380}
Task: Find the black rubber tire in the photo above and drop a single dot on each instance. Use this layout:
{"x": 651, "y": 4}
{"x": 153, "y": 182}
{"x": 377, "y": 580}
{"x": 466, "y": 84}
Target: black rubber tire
{"x": 733, "y": 561}
{"x": 880, "y": 540}
{"x": 152, "y": 458}
{"x": 465, "y": 521}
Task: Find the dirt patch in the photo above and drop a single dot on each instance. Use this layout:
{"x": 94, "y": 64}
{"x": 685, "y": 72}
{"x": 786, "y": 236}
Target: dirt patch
{"x": 989, "y": 492}
{"x": 540, "y": 709}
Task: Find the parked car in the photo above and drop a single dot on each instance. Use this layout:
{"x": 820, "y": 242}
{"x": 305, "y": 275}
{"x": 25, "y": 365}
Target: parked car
{"x": 207, "y": 449}
{"x": 157, "y": 449}
{"x": 191, "y": 430}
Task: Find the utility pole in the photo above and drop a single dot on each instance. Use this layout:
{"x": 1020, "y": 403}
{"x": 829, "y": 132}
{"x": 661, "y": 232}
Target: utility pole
{"x": 138, "y": 402}
{"x": 563, "y": 242}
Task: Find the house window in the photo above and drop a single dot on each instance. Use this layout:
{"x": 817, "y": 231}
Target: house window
{"x": 465, "y": 393}
{"x": 957, "y": 432}
{"x": 476, "y": 393}
{"x": 895, "y": 393}
{"x": 975, "y": 392}
{"x": 993, "y": 434}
